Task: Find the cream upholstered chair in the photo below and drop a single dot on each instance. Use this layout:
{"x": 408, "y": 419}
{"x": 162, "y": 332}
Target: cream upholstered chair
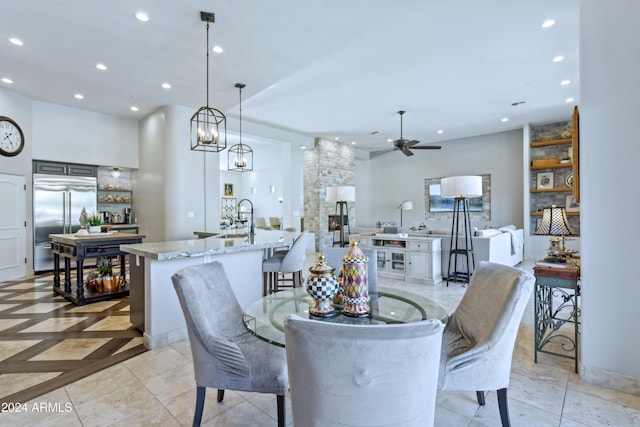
{"x": 262, "y": 224}
{"x": 275, "y": 222}
{"x": 333, "y": 257}
{"x": 285, "y": 262}
{"x": 362, "y": 375}
{"x": 478, "y": 341}
{"x": 225, "y": 354}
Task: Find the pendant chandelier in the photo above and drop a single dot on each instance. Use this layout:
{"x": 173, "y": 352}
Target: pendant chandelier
{"x": 240, "y": 155}
{"x": 208, "y": 125}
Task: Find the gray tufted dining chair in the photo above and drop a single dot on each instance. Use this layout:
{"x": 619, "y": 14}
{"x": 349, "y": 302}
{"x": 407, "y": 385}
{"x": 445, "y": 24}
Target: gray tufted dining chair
{"x": 478, "y": 341}
{"x": 363, "y": 375}
{"x": 225, "y": 354}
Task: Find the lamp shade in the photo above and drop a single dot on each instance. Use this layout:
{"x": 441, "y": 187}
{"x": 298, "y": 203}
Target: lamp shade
{"x": 461, "y": 186}
{"x": 406, "y": 205}
{"x": 343, "y": 193}
{"x": 554, "y": 223}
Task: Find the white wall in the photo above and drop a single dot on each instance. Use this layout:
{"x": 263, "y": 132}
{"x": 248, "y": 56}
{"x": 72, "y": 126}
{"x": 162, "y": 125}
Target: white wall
{"x": 67, "y": 134}
{"x": 385, "y": 181}
{"x": 609, "y": 155}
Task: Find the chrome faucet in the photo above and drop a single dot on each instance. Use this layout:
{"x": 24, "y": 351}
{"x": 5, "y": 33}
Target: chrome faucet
{"x": 252, "y": 231}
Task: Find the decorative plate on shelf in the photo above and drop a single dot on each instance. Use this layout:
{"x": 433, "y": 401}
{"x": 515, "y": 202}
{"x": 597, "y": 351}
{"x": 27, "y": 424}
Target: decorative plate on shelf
{"x": 569, "y": 180}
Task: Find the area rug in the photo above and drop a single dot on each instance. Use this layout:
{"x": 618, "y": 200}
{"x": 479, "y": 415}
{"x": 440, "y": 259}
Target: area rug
{"x": 47, "y": 342}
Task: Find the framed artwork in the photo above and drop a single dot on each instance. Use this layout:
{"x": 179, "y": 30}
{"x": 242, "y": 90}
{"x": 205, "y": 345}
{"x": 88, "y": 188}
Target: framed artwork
{"x": 228, "y": 190}
{"x": 570, "y": 203}
{"x": 544, "y": 180}
{"x": 440, "y": 208}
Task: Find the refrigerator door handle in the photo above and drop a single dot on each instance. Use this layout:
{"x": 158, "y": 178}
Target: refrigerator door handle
{"x": 69, "y": 223}
{"x": 64, "y": 213}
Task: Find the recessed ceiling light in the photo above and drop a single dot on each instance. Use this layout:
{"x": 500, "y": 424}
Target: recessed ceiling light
{"x": 565, "y": 82}
{"x": 166, "y": 85}
{"x": 440, "y": 131}
{"x": 141, "y": 16}
{"x": 101, "y": 67}
{"x": 389, "y": 140}
{"x": 504, "y": 119}
{"x": 78, "y": 96}
{"x": 16, "y": 41}
{"x": 569, "y": 100}
{"x": 134, "y": 108}
{"x": 558, "y": 58}
{"x": 302, "y": 147}
{"x": 548, "y": 23}
{"x": 218, "y": 49}
{"x": 7, "y": 80}
{"x": 337, "y": 138}
{"x": 353, "y": 143}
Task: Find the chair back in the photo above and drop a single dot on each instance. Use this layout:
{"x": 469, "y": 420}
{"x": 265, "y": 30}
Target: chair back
{"x": 294, "y": 259}
{"x": 362, "y": 375}
{"x": 333, "y": 257}
{"x": 262, "y": 223}
{"x": 213, "y": 316}
{"x": 486, "y": 323}
{"x": 274, "y": 221}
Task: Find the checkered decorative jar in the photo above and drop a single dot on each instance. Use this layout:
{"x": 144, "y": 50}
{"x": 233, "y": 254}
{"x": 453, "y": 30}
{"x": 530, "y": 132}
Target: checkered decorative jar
{"x": 322, "y": 285}
{"x": 355, "y": 282}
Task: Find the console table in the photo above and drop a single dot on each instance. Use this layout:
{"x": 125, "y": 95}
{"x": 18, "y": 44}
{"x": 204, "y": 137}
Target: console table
{"x": 562, "y": 286}
{"x": 79, "y": 247}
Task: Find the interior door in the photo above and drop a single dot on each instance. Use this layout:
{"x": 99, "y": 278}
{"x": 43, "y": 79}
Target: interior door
{"x": 12, "y": 227}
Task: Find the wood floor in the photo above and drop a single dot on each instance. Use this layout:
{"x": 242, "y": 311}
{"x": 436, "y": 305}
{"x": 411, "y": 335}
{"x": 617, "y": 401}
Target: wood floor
{"x": 47, "y": 342}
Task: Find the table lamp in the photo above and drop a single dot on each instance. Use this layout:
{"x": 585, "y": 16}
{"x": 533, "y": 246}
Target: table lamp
{"x": 554, "y": 223}
{"x": 405, "y": 206}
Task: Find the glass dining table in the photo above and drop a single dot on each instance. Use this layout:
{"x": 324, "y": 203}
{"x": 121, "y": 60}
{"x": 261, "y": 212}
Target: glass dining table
{"x": 265, "y": 318}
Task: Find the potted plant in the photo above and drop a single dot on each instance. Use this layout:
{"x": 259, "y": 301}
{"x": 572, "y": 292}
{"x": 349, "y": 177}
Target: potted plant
{"x": 107, "y": 282}
{"x": 95, "y": 220}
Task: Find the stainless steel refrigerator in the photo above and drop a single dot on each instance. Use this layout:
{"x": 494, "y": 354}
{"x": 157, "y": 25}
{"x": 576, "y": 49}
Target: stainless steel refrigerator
{"x": 57, "y": 203}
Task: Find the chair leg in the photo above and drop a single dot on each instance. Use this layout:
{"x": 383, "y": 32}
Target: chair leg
{"x": 275, "y": 282}
{"x": 220, "y": 395}
{"x": 265, "y": 286}
{"x": 504, "y": 408}
{"x": 480, "y": 396}
{"x": 200, "y": 395}
{"x": 281, "y": 410}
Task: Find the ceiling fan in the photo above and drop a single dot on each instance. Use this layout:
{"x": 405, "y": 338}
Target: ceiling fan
{"x": 404, "y": 144}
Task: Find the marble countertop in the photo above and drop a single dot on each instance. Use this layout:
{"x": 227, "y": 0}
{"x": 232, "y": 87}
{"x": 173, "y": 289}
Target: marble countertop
{"x": 200, "y": 247}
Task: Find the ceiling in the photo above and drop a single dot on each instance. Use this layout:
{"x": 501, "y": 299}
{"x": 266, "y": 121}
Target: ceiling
{"x": 323, "y": 69}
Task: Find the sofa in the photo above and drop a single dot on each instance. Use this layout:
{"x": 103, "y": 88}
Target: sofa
{"x": 504, "y": 245}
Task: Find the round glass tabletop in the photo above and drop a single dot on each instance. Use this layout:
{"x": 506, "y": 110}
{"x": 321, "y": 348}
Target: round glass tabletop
{"x": 265, "y": 318}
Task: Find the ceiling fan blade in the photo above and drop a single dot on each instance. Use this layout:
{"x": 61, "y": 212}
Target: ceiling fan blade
{"x": 426, "y": 147}
{"x": 407, "y": 152}
{"x": 411, "y": 143}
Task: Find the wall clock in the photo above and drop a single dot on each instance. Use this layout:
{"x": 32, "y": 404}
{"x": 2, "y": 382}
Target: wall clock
{"x": 11, "y": 137}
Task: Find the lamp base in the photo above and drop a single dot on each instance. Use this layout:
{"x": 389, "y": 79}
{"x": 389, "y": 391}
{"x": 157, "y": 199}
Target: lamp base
{"x": 555, "y": 259}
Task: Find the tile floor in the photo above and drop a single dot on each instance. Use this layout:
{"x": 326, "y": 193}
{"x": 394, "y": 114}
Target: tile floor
{"x": 157, "y": 388}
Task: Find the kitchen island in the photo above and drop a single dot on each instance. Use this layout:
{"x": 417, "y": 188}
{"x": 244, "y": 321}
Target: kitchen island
{"x": 78, "y": 247}
{"x": 155, "y": 309}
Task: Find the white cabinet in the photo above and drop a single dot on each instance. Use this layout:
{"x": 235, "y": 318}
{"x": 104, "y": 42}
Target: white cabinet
{"x": 391, "y": 261}
{"x": 409, "y": 258}
{"x": 424, "y": 262}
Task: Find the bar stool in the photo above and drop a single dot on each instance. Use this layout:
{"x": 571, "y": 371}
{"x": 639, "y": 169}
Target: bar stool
{"x": 283, "y": 263}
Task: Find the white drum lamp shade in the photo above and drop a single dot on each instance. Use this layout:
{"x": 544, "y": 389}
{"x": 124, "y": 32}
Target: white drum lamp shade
{"x": 461, "y": 186}
{"x": 406, "y": 206}
{"x": 343, "y": 193}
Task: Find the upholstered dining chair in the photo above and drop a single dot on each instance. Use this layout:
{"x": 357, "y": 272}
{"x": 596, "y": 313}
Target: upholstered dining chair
{"x": 285, "y": 262}
{"x": 478, "y": 341}
{"x": 362, "y": 375}
{"x": 225, "y": 354}
{"x": 333, "y": 257}
{"x": 262, "y": 224}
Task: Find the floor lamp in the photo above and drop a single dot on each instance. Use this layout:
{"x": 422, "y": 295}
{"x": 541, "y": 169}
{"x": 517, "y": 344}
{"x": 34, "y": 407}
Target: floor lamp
{"x": 341, "y": 195}
{"x": 460, "y": 188}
